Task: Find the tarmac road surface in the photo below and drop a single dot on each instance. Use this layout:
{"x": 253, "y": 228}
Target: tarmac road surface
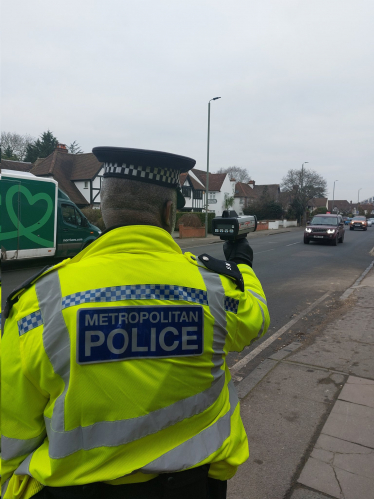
{"x": 294, "y": 275}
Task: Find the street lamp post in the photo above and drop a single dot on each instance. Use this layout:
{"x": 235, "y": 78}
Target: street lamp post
{"x": 358, "y": 198}
{"x": 302, "y": 186}
{"x": 207, "y": 170}
{"x": 333, "y": 196}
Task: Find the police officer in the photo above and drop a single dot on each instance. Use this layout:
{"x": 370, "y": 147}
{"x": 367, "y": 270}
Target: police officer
{"x": 115, "y": 383}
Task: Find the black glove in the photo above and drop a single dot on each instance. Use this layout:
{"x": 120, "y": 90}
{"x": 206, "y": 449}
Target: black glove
{"x": 238, "y": 251}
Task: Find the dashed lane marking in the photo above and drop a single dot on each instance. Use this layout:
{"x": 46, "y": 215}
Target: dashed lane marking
{"x": 258, "y": 252}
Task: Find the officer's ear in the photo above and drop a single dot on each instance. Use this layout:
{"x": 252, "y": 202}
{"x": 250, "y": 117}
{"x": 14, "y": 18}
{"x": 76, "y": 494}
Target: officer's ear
{"x": 168, "y": 216}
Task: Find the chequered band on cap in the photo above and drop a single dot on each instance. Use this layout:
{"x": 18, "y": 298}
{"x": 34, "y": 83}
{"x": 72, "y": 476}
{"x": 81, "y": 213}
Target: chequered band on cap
{"x": 156, "y": 175}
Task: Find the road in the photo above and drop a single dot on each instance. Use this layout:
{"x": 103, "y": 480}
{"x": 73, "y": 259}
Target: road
{"x": 293, "y": 276}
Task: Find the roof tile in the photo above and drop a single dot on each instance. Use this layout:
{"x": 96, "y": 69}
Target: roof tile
{"x": 19, "y": 166}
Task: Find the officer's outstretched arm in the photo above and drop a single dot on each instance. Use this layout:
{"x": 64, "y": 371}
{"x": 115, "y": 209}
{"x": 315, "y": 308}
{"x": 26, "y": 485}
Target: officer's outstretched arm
{"x": 22, "y": 423}
{"x": 252, "y": 319}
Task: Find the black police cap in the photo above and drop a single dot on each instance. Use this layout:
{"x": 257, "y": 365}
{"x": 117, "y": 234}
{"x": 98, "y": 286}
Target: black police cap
{"x": 155, "y": 167}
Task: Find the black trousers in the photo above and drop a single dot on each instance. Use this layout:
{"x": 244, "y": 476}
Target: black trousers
{"x": 189, "y": 484}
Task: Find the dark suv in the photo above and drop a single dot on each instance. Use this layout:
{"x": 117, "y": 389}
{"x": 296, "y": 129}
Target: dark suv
{"x": 325, "y": 228}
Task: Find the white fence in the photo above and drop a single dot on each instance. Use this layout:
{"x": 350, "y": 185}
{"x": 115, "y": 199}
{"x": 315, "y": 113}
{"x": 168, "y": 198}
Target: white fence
{"x": 276, "y": 224}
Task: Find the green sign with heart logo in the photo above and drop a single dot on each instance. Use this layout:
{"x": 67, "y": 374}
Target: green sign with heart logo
{"x": 27, "y": 214}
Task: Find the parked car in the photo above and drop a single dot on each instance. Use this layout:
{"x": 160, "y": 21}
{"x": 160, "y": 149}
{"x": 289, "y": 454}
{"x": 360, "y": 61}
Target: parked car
{"x": 358, "y": 223}
{"x": 347, "y": 220}
{"x": 369, "y": 222}
{"x": 325, "y": 228}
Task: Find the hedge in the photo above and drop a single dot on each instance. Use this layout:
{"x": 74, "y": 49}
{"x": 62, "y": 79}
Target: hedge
{"x": 94, "y": 216}
{"x": 201, "y": 216}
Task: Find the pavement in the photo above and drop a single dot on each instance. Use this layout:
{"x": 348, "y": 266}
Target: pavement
{"x": 308, "y": 411}
{"x": 191, "y": 242}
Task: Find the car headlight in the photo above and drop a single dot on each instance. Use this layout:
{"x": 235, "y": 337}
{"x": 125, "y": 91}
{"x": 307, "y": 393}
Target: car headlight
{"x": 308, "y": 230}
{"x": 330, "y": 231}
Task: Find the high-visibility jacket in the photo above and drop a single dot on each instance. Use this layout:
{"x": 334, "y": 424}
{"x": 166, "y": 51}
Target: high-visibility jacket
{"x": 114, "y": 365}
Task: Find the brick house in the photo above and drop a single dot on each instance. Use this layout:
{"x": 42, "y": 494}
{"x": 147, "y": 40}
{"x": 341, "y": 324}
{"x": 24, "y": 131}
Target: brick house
{"x": 315, "y": 203}
{"x": 248, "y": 193}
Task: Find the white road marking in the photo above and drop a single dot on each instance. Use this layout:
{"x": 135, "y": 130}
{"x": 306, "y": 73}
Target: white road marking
{"x": 293, "y": 243}
{"x": 244, "y": 361}
{"x": 258, "y": 252}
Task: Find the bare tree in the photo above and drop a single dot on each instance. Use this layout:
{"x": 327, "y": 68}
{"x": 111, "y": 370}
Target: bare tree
{"x": 239, "y": 174}
{"x": 14, "y": 145}
{"x": 303, "y": 185}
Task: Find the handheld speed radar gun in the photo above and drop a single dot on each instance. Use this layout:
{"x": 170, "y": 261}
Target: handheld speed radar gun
{"x": 231, "y": 227}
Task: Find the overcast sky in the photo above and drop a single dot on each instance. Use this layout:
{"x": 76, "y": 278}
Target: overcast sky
{"x": 296, "y": 79}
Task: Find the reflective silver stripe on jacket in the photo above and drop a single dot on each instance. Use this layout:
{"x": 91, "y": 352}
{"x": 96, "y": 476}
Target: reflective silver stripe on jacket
{"x": 56, "y": 339}
{"x": 56, "y": 342}
{"x": 4, "y": 487}
{"x": 262, "y": 325}
{"x": 216, "y": 302}
{"x": 120, "y": 432}
{"x": 199, "y": 447}
{"x": 259, "y": 297}
{"x": 15, "y": 447}
{"x": 24, "y": 467}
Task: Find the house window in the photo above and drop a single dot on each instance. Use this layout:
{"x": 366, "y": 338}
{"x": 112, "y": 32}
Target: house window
{"x": 186, "y": 191}
{"x": 212, "y": 195}
{"x": 198, "y": 194}
{"x": 241, "y": 201}
{"x": 86, "y": 184}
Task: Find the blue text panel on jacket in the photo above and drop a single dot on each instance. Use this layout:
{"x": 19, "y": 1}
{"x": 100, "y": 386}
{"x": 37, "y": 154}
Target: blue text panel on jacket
{"x": 106, "y": 334}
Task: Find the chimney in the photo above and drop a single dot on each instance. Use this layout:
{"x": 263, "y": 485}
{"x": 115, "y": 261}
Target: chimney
{"x": 251, "y": 183}
{"x": 61, "y": 148}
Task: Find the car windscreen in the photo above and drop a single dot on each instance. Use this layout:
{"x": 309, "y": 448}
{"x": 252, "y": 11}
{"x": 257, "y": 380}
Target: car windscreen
{"x": 359, "y": 218}
{"x": 324, "y": 221}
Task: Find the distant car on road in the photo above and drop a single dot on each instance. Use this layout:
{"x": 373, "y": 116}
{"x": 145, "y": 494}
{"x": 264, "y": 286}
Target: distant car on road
{"x": 347, "y": 220}
{"x": 369, "y": 221}
{"x": 325, "y": 228}
{"x": 358, "y": 223}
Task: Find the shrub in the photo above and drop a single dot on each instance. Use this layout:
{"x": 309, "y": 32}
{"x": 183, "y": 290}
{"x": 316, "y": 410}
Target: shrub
{"x": 190, "y": 220}
{"x": 322, "y": 210}
{"x": 269, "y": 210}
{"x": 201, "y": 218}
{"x": 94, "y": 216}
